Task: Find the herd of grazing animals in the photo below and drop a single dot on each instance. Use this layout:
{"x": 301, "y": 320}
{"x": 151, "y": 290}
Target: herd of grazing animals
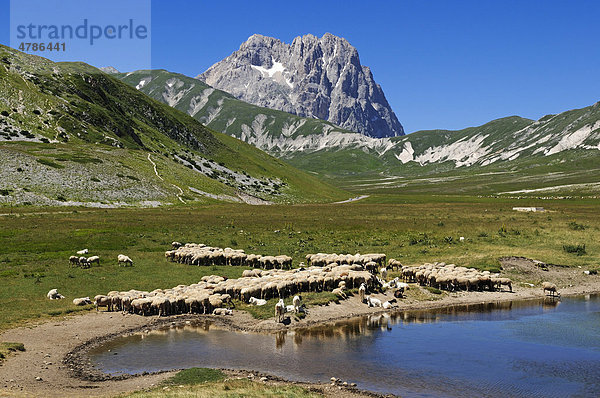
{"x": 451, "y": 277}
{"x": 214, "y": 291}
{"x": 82, "y": 261}
{"x": 273, "y": 277}
{"x": 200, "y": 254}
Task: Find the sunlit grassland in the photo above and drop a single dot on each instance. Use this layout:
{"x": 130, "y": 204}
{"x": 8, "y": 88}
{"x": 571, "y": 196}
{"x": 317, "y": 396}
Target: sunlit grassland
{"x": 34, "y": 248}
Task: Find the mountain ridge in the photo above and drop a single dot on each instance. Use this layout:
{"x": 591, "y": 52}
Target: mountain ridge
{"x": 311, "y": 77}
{"x": 72, "y": 134}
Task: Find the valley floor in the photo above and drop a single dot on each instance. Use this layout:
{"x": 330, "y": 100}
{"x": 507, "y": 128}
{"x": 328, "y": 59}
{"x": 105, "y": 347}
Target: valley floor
{"x": 56, "y": 349}
{"x": 37, "y": 242}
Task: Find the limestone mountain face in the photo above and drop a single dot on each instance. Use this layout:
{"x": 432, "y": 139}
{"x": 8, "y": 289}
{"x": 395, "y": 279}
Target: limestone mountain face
{"x": 312, "y": 77}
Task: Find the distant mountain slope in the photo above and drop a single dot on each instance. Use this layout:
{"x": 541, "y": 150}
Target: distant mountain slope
{"x": 569, "y": 141}
{"x": 314, "y": 77}
{"x": 70, "y": 133}
{"x": 280, "y": 133}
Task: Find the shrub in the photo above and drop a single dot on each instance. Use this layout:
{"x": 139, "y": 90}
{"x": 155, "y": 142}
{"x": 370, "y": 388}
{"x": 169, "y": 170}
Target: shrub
{"x": 575, "y": 249}
{"x": 577, "y": 227}
{"x": 502, "y": 231}
{"x": 49, "y": 163}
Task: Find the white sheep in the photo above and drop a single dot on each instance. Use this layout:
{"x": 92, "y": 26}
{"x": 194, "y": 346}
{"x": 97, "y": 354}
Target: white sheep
{"x": 280, "y": 310}
{"x": 257, "y": 301}
{"x": 384, "y": 273}
{"x": 83, "y": 252}
{"x": 387, "y": 305}
{"x": 123, "y": 259}
{"x": 373, "y": 302}
{"x": 222, "y": 311}
{"x": 297, "y": 302}
{"x": 362, "y": 291}
{"x": 82, "y": 301}
{"x": 550, "y": 287}
{"x": 103, "y": 301}
{"x": 93, "y": 259}
{"x": 54, "y": 295}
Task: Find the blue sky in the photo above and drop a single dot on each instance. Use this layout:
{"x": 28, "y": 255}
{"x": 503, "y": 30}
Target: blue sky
{"x": 442, "y": 64}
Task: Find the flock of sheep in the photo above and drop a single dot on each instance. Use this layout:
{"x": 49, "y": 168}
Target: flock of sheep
{"x": 450, "y": 277}
{"x": 273, "y": 277}
{"x": 200, "y": 254}
{"x": 214, "y": 294}
{"x": 82, "y": 261}
{"x": 86, "y": 262}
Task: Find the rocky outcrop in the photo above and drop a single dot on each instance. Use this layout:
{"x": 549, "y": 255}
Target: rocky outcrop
{"x": 312, "y": 77}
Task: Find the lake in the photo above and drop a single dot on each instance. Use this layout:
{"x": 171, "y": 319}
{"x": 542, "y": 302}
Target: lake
{"x": 539, "y": 348}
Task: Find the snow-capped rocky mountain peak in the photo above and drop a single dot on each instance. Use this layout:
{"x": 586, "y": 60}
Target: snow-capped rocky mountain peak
{"x": 313, "y": 77}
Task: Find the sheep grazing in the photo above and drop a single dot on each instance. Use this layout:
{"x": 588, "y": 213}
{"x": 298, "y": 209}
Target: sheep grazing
{"x": 125, "y": 260}
{"x": 453, "y": 278}
{"x": 551, "y": 288}
{"x": 54, "y": 295}
{"x": 83, "y": 252}
{"x": 280, "y": 310}
{"x": 176, "y": 245}
{"x": 362, "y": 291}
{"x": 82, "y": 301}
{"x": 340, "y": 293}
{"x": 83, "y": 262}
{"x": 93, "y": 259}
{"x": 74, "y": 260}
{"x": 255, "y": 288}
{"x": 394, "y": 264}
{"x": 103, "y": 301}
{"x": 387, "y": 305}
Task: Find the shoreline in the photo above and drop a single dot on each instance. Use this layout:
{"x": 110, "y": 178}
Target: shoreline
{"x": 56, "y": 350}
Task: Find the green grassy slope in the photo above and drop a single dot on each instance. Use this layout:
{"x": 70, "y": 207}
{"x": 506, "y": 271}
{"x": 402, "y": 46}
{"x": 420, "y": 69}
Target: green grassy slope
{"x": 36, "y": 245}
{"x": 69, "y": 132}
{"x": 218, "y": 109}
{"x": 504, "y": 155}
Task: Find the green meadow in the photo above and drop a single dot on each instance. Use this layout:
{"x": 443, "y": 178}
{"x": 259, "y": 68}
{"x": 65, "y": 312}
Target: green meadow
{"x": 36, "y": 243}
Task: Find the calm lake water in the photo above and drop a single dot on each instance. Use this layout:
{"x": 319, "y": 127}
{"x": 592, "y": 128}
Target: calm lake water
{"x": 516, "y": 349}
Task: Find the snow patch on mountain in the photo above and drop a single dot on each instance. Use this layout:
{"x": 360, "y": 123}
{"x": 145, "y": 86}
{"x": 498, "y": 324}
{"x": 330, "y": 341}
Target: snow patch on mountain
{"x": 143, "y": 82}
{"x": 276, "y": 72}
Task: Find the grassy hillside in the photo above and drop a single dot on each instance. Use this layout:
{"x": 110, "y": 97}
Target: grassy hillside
{"x": 504, "y": 155}
{"x": 223, "y": 112}
{"x": 71, "y": 134}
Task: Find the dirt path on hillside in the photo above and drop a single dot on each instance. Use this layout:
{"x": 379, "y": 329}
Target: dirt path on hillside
{"x": 48, "y": 344}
